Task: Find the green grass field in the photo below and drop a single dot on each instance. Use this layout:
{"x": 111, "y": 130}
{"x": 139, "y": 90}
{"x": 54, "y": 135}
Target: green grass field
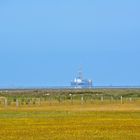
{"x": 91, "y": 120}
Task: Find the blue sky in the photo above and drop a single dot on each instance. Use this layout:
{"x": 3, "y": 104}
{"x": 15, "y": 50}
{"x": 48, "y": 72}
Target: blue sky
{"x": 44, "y": 42}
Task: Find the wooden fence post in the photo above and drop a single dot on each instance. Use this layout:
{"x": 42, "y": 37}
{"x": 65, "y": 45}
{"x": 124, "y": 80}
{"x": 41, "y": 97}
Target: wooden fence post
{"x": 102, "y": 98}
{"x": 39, "y": 101}
{"x": 112, "y": 99}
{"x": 71, "y": 98}
{"x": 17, "y": 103}
{"x": 121, "y": 99}
{"x": 5, "y": 102}
{"x": 82, "y": 99}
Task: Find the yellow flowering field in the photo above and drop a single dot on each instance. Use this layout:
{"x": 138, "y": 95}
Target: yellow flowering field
{"x": 75, "y": 121}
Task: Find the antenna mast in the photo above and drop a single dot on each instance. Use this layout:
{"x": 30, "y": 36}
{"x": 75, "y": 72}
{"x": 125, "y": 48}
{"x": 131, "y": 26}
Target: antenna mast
{"x": 80, "y": 73}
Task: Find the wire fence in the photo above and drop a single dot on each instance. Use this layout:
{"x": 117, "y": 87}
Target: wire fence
{"x": 65, "y": 99}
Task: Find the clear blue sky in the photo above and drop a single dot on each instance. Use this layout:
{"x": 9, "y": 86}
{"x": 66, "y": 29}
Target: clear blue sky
{"x": 44, "y": 42}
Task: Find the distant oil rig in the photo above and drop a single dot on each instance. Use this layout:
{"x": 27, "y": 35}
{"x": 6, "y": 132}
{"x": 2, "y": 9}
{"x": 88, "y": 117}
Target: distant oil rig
{"x": 80, "y": 82}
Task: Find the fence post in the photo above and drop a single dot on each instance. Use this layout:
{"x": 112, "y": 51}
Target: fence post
{"x": 5, "y": 102}
{"x": 102, "y": 98}
{"x": 39, "y": 101}
{"x": 112, "y": 98}
{"x": 71, "y": 98}
{"x": 59, "y": 99}
{"x": 121, "y": 99}
{"x": 82, "y": 99}
{"x": 49, "y": 99}
{"x": 17, "y": 103}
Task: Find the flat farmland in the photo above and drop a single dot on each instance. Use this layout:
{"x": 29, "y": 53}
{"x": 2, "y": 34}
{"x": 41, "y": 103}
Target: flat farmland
{"x": 66, "y": 120}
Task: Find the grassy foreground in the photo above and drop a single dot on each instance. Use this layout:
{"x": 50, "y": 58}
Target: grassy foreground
{"x": 71, "y": 122}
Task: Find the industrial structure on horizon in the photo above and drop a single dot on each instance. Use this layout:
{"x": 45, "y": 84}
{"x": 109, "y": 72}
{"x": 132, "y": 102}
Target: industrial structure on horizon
{"x": 80, "y": 82}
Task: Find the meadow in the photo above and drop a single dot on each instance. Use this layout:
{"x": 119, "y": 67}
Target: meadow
{"x": 101, "y": 114}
